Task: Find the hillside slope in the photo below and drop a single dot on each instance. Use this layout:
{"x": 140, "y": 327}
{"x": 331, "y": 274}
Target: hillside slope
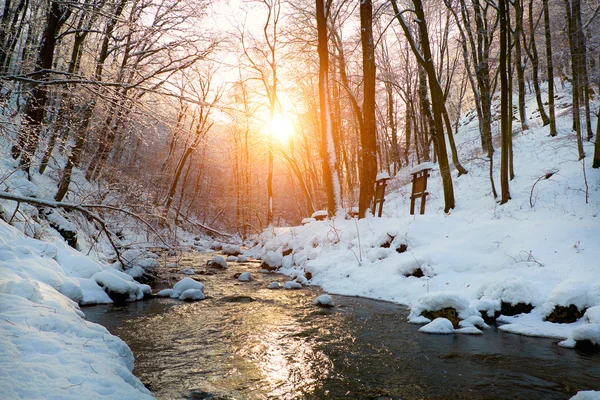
{"x": 541, "y": 248}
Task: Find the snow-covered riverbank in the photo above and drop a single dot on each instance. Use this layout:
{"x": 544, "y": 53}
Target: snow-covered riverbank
{"x": 541, "y": 248}
{"x": 48, "y": 349}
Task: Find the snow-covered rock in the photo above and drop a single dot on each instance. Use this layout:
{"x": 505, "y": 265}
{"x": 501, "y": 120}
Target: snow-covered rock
{"x": 324, "y": 300}
{"x": 292, "y": 285}
{"x": 231, "y": 250}
{"x": 118, "y": 285}
{"x": 165, "y": 293}
{"x": 231, "y": 259}
{"x": 217, "y": 262}
{"x": 512, "y": 290}
{"x": 242, "y": 259}
{"x": 580, "y": 293}
{"x": 439, "y": 326}
{"x": 187, "y": 283}
{"x": 274, "y": 285}
{"x": 245, "y": 277}
{"x": 192, "y": 295}
{"x": 188, "y": 271}
{"x": 435, "y": 301}
{"x": 272, "y": 261}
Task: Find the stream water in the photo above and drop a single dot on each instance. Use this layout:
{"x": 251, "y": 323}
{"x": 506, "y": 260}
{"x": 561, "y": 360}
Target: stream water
{"x": 248, "y": 342}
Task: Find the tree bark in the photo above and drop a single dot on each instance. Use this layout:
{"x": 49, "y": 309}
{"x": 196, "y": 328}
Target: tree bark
{"x": 328, "y": 154}
{"x": 550, "y": 68}
{"x": 505, "y": 117}
{"x": 368, "y": 135}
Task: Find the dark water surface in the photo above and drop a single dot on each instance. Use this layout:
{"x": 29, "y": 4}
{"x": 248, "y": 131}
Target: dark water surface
{"x": 248, "y": 342}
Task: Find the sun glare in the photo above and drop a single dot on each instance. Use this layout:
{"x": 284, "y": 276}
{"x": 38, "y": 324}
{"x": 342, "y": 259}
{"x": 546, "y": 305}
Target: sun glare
{"x": 282, "y": 128}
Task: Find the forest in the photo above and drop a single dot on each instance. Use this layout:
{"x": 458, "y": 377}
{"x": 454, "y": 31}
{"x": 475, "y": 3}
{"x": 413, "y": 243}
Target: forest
{"x": 239, "y": 115}
{"x": 222, "y": 193}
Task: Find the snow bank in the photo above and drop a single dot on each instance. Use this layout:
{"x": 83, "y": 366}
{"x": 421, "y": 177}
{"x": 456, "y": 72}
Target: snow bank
{"x": 47, "y": 349}
{"x": 119, "y": 283}
{"x": 586, "y": 395}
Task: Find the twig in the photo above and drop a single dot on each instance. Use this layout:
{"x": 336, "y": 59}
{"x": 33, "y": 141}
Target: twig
{"x": 530, "y": 258}
{"x": 547, "y": 175}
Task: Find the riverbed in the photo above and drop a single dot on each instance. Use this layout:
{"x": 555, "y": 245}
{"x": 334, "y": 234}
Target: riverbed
{"x": 249, "y": 342}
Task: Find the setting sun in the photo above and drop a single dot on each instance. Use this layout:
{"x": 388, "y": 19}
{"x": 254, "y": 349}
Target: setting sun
{"x": 282, "y": 128}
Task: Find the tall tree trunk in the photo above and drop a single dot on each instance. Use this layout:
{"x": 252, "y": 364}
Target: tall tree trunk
{"x": 550, "y": 68}
{"x": 368, "y": 135}
{"x": 328, "y": 154}
{"x": 535, "y": 61}
{"x": 575, "y": 81}
{"x": 505, "y": 117}
{"x": 29, "y": 135}
{"x": 584, "y": 84}
{"x": 519, "y": 62}
{"x": 596, "y": 161}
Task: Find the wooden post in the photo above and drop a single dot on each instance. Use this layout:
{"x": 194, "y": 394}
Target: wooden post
{"x": 419, "y": 187}
{"x": 379, "y": 196}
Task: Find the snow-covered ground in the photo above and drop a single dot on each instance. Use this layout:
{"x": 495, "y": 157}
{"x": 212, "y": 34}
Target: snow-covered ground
{"x": 47, "y": 348}
{"x": 540, "y": 248}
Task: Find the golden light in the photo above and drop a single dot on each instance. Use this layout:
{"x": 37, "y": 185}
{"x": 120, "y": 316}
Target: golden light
{"x": 282, "y": 128}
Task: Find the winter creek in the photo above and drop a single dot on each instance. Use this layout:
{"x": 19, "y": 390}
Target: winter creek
{"x": 281, "y": 346}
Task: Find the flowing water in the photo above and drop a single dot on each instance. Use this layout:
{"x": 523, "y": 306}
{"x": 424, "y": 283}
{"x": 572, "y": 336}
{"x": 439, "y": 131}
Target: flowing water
{"x": 248, "y": 342}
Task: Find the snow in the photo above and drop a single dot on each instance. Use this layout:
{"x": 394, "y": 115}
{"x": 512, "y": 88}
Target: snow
{"x": 421, "y": 167}
{"x": 188, "y": 271}
{"x": 592, "y": 315}
{"x": 512, "y": 290}
{"x": 438, "y": 326}
{"x": 580, "y": 293}
{"x": 273, "y": 259}
{"x": 589, "y": 332}
{"x": 192, "y": 294}
{"x": 187, "y": 283}
{"x": 324, "y": 300}
{"x": 245, "y": 277}
{"x": 242, "y": 259}
{"x": 231, "y": 259}
{"x": 274, "y": 285}
{"x": 219, "y": 262}
{"x": 46, "y": 346}
{"x": 307, "y": 221}
{"x": 292, "y": 285}
{"x": 382, "y": 175}
{"x": 119, "y": 282}
{"x": 320, "y": 213}
{"x": 539, "y": 248}
{"x": 231, "y": 250}
{"x": 587, "y": 395}
{"x": 165, "y": 293}
{"x": 435, "y": 301}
